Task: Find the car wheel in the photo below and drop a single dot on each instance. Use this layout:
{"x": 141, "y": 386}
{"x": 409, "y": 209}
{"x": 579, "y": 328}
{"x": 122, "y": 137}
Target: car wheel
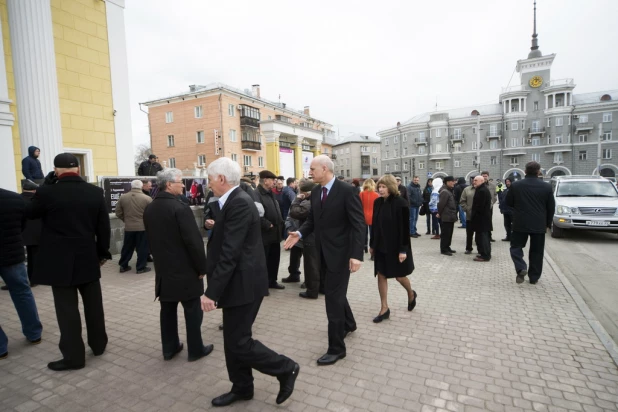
{"x": 556, "y": 232}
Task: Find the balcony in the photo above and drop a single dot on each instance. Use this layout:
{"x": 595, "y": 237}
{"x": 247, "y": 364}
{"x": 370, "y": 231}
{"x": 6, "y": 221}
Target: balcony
{"x": 493, "y": 134}
{"x": 420, "y": 140}
{"x": 251, "y": 145}
{"x": 586, "y": 126}
{"x": 333, "y": 156}
{"x": 457, "y": 138}
{"x": 249, "y": 122}
{"x": 536, "y": 131}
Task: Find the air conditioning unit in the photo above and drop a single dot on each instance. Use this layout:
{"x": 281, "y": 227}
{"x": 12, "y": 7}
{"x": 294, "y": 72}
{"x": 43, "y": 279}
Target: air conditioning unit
{"x": 246, "y": 169}
{"x": 528, "y": 140}
{"x": 239, "y": 107}
{"x": 576, "y": 116}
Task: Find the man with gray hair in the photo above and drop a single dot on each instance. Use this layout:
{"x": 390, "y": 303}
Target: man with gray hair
{"x": 180, "y": 264}
{"x": 130, "y": 209}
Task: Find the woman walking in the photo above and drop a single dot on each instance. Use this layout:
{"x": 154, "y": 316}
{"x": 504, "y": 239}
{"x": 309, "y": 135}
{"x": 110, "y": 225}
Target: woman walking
{"x": 368, "y": 196}
{"x": 433, "y": 208}
{"x": 390, "y": 243}
{"x": 426, "y": 199}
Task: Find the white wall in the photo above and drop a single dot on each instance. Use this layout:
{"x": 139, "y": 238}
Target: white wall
{"x": 286, "y": 162}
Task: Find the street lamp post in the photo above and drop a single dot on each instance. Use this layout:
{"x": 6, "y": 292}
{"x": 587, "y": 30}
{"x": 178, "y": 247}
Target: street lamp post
{"x": 400, "y": 146}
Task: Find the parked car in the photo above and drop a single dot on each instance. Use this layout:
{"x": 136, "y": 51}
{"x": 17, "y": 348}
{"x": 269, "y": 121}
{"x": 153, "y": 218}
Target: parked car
{"x": 584, "y": 203}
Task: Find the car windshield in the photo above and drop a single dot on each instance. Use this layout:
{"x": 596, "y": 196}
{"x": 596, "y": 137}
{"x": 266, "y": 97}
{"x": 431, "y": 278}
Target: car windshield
{"x": 586, "y": 189}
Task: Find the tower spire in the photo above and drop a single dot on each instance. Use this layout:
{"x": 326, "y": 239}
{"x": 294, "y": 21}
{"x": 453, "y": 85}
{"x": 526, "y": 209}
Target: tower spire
{"x": 534, "y": 50}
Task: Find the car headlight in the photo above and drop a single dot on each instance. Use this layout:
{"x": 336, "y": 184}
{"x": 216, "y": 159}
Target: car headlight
{"x": 566, "y": 210}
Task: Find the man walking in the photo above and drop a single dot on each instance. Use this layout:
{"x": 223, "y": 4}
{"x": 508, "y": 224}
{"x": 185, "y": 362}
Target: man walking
{"x": 338, "y": 222}
{"x": 237, "y": 283}
{"x": 507, "y": 212}
{"x": 491, "y": 186}
{"x": 465, "y": 202}
{"x": 481, "y": 219}
{"x": 130, "y": 209}
{"x": 447, "y": 213}
{"x": 533, "y": 206}
{"x": 180, "y": 265}
{"x": 149, "y": 167}
{"x": 415, "y": 196}
{"x": 31, "y": 166}
{"x": 74, "y": 245}
{"x": 272, "y": 226}
{"x": 402, "y": 189}
{"x": 13, "y": 270}
{"x": 457, "y": 191}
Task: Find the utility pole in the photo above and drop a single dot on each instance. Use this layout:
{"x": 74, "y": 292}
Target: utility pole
{"x": 599, "y": 150}
{"x": 478, "y": 142}
{"x": 400, "y": 148}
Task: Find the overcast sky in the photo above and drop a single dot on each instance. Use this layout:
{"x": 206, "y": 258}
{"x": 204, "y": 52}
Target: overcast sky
{"x": 363, "y": 65}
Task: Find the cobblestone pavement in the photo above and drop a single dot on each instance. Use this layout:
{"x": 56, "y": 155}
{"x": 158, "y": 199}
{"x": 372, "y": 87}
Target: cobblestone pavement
{"x": 476, "y": 341}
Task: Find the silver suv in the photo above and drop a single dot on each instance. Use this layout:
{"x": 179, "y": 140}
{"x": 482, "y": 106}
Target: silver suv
{"x": 584, "y": 202}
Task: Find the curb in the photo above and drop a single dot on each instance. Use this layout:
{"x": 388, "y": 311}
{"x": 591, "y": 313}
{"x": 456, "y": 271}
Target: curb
{"x": 599, "y": 330}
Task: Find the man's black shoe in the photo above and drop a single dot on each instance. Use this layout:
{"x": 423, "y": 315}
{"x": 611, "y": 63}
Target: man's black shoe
{"x": 4, "y": 355}
{"x": 303, "y": 286}
{"x": 291, "y": 279}
{"x": 347, "y": 332}
{"x": 461, "y": 227}
{"x": 492, "y": 240}
{"x": 125, "y": 269}
{"x": 447, "y": 253}
{"x": 506, "y": 239}
{"x": 329, "y": 359}
{"x": 276, "y": 286}
{"x": 145, "y": 270}
{"x": 452, "y": 251}
{"x": 533, "y": 282}
{"x": 415, "y": 236}
{"x": 63, "y": 365}
{"x": 321, "y": 292}
{"x": 468, "y": 252}
{"x": 521, "y": 276}
{"x": 286, "y": 385}
{"x": 5, "y": 287}
{"x": 206, "y": 352}
{"x": 149, "y": 259}
{"x": 35, "y": 341}
{"x": 229, "y": 398}
{"x": 221, "y": 326}
{"x": 178, "y": 349}
{"x": 307, "y": 296}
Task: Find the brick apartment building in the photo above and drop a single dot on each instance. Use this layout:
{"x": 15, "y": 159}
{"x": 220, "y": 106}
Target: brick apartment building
{"x": 191, "y": 129}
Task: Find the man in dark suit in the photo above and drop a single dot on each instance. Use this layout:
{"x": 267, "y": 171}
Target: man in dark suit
{"x": 180, "y": 265}
{"x": 237, "y": 283}
{"x": 533, "y": 206}
{"x": 481, "y": 219}
{"x": 74, "y": 245}
{"x": 338, "y": 222}
{"x": 32, "y": 231}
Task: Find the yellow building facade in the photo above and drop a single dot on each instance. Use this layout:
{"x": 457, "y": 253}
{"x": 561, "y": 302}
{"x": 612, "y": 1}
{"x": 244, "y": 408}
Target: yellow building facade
{"x": 66, "y": 86}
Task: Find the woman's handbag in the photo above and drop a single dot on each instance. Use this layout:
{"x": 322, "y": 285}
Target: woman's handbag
{"x": 422, "y": 210}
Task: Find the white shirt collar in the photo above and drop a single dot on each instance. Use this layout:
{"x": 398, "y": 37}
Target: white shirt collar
{"x": 223, "y": 198}
{"x": 329, "y": 185}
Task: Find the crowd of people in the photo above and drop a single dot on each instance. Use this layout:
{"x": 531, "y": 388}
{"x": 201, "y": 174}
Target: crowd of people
{"x": 328, "y": 224}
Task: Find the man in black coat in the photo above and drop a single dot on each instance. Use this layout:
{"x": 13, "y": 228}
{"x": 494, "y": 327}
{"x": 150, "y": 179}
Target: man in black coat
{"x": 338, "y": 222}
{"x": 237, "y": 283}
{"x": 271, "y": 225}
{"x": 457, "y": 191}
{"x": 12, "y": 269}
{"x": 149, "y": 167}
{"x": 180, "y": 265}
{"x": 32, "y": 231}
{"x": 403, "y": 192}
{"x": 74, "y": 245}
{"x": 31, "y": 165}
{"x": 533, "y": 206}
{"x": 481, "y": 219}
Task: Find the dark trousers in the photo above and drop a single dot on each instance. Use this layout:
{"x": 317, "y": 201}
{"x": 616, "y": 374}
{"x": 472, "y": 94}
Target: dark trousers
{"x": 243, "y": 353}
{"x": 70, "y": 323}
{"x": 508, "y": 224}
{"x": 469, "y": 235}
{"x": 368, "y": 236}
{"x": 483, "y": 245}
{"x": 193, "y": 323}
{"x": 312, "y": 269}
{"x": 447, "y": 235}
{"x": 435, "y": 224}
{"x": 428, "y": 218}
{"x": 273, "y": 255}
{"x": 338, "y": 311}
{"x": 294, "y": 269}
{"x": 133, "y": 241}
{"x": 535, "y": 254}
{"x": 31, "y": 256}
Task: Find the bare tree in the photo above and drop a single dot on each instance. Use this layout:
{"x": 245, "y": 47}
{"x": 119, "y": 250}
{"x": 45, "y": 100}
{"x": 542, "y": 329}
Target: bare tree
{"x": 142, "y": 151}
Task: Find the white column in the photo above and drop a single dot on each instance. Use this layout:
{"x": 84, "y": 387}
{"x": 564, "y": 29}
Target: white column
{"x": 521, "y": 104}
{"x": 36, "y": 84}
{"x": 525, "y": 104}
{"x": 546, "y": 101}
{"x": 120, "y": 87}
{"x": 8, "y": 177}
{"x": 554, "y": 99}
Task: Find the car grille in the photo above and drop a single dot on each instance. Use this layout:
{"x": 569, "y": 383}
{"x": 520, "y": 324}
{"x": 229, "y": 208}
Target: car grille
{"x": 597, "y": 211}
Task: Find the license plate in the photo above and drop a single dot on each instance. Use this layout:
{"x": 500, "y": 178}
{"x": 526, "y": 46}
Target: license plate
{"x": 597, "y": 223}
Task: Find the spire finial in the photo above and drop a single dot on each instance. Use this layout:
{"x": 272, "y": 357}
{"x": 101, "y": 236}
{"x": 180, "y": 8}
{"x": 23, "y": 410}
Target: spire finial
{"x": 535, "y": 52}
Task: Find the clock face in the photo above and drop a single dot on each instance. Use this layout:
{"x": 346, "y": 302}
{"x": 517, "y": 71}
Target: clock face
{"x": 536, "y": 81}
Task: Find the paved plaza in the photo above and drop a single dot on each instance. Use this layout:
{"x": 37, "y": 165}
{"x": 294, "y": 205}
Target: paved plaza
{"x": 475, "y": 342}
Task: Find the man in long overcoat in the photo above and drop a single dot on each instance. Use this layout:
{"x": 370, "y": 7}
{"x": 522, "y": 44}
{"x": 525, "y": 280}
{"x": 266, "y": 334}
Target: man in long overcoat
{"x": 481, "y": 219}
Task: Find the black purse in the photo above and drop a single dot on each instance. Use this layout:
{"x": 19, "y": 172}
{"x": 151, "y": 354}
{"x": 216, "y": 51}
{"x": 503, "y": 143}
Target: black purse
{"x": 422, "y": 210}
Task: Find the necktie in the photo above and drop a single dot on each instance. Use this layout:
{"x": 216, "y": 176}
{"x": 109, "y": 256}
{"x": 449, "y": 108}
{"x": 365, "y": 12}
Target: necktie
{"x": 324, "y": 194}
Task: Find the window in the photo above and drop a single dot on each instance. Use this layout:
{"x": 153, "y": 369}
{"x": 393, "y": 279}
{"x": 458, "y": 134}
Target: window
{"x": 201, "y": 160}
{"x": 439, "y": 165}
{"x": 231, "y": 110}
{"x": 583, "y": 155}
{"x": 536, "y": 106}
{"x": 374, "y": 160}
{"x": 386, "y": 154}
{"x": 456, "y": 147}
{"x": 232, "y": 135}
{"x": 457, "y": 163}
{"x": 474, "y": 145}
{"x": 260, "y": 161}
{"x": 374, "y": 149}
{"x": 421, "y": 165}
{"x": 347, "y": 150}
{"x": 607, "y": 154}
{"x": 536, "y": 141}
{"x": 198, "y": 111}
{"x": 583, "y": 118}
{"x": 559, "y": 121}
{"x": 549, "y": 122}
{"x": 493, "y": 130}
{"x": 607, "y": 136}
{"x": 405, "y": 137}
{"x": 405, "y": 151}
{"x": 583, "y": 138}
{"x": 270, "y": 117}
{"x": 170, "y": 140}
{"x": 421, "y": 136}
{"x": 559, "y": 140}
{"x": 396, "y": 154}
{"x": 514, "y": 160}
{"x": 515, "y": 126}
{"x": 347, "y": 173}
{"x": 457, "y": 133}
{"x": 386, "y": 168}
{"x": 536, "y": 126}
{"x": 375, "y": 172}
{"x": 386, "y": 142}
{"x": 548, "y": 139}
{"x": 199, "y": 136}
{"x": 421, "y": 150}
{"x": 438, "y": 148}
{"x": 246, "y": 160}
{"x": 558, "y": 158}
{"x": 523, "y": 124}
{"x": 536, "y": 157}
{"x": 438, "y": 132}
{"x": 514, "y": 142}
{"x": 395, "y": 139}
{"x": 169, "y": 117}
{"x": 493, "y": 144}
{"x": 171, "y": 162}
{"x": 493, "y": 160}
{"x": 405, "y": 166}
{"x": 506, "y": 126}
{"x": 607, "y": 117}
{"x": 234, "y": 157}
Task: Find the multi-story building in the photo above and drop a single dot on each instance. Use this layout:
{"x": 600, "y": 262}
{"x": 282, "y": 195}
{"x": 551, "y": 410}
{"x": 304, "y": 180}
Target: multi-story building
{"x": 64, "y": 86}
{"x": 540, "y": 119}
{"x": 193, "y": 128}
{"x": 357, "y": 156}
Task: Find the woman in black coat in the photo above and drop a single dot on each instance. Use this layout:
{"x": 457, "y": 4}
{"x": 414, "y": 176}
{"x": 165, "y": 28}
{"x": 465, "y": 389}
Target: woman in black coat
{"x": 390, "y": 243}
{"x": 426, "y": 198}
